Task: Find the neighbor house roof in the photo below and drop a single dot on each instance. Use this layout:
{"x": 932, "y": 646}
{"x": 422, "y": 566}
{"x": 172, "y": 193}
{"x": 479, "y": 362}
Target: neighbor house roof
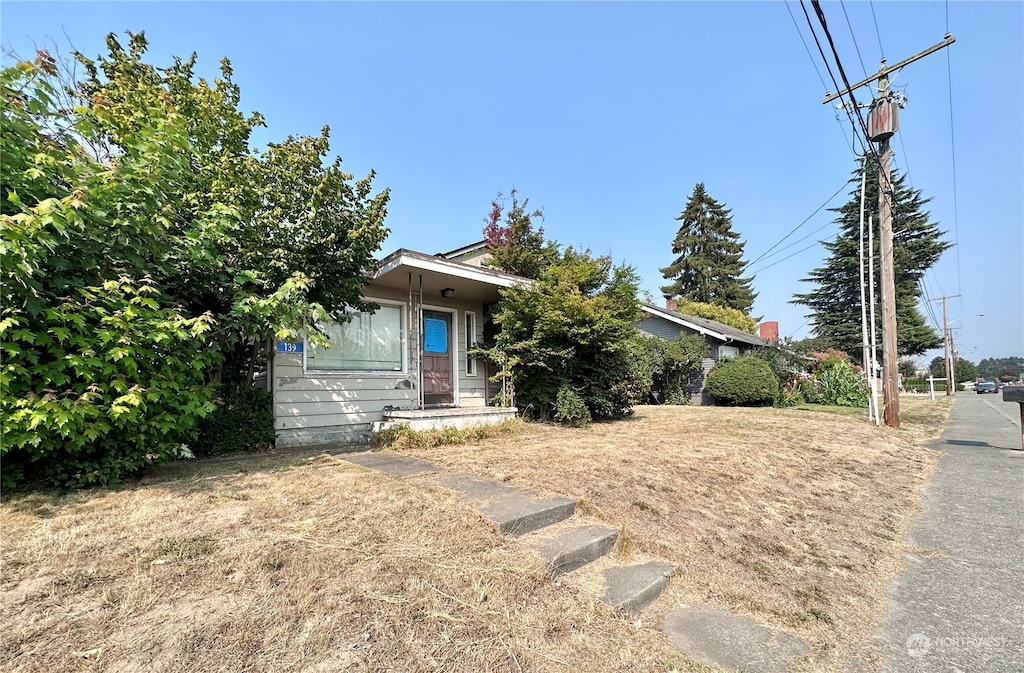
{"x": 464, "y": 250}
{"x": 711, "y": 328}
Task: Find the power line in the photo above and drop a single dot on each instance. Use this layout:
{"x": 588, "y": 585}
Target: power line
{"x": 797, "y": 227}
{"x": 850, "y": 140}
{"x": 952, "y": 147}
{"x": 853, "y": 37}
{"x": 833, "y": 77}
{"x": 780, "y": 261}
{"x": 878, "y": 33}
{"x": 806, "y": 48}
{"x": 888, "y": 189}
{"x": 842, "y": 73}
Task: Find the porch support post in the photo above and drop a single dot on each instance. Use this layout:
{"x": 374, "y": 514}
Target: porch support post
{"x": 419, "y": 342}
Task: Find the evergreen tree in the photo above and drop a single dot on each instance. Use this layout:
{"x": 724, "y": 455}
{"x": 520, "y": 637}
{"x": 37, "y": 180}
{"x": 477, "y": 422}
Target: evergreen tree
{"x": 709, "y": 255}
{"x": 917, "y": 245}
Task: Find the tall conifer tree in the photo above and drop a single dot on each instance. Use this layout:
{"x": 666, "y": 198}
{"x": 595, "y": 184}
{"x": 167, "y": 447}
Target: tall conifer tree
{"x": 917, "y": 245}
{"x": 708, "y": 264}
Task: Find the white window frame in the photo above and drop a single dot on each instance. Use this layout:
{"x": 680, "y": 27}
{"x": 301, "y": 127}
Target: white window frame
{"x": 403, "y": 324}
{"x": 470, "y": 323}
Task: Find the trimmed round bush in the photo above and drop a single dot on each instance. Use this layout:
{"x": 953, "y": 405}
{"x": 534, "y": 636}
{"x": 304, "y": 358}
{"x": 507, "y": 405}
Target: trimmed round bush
{"x": 744, "y": 381}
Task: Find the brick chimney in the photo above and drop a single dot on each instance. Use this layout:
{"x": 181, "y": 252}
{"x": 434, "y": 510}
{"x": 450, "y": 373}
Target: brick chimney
{"x": 671, "y": 304}
{"x": 769, "y": 330}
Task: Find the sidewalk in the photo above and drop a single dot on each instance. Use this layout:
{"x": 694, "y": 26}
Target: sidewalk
{"x": 958, "y": 607}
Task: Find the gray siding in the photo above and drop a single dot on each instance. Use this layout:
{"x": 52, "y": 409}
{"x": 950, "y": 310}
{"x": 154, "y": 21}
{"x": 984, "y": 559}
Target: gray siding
{"x": 659, "y": 327}
{"x": 323, "y": 407}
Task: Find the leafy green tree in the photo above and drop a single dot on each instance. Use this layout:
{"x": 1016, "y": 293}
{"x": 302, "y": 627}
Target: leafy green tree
{"x": 148, "y": 253}
{"x": 708, "y": 266}
{"x": 937, "y": 367}
{"x": 102, "y": 374}
{"x": 572, "y": 331}
{"x": 908, "y": 368}
{"x": 514, "y": 245}
{"x": 672, "y": 362}
{"x": 295, "y": 237}
{"x": 1006, "y": 369}
{"x": 917, "y": 245}
{"x": 965, "y": 370}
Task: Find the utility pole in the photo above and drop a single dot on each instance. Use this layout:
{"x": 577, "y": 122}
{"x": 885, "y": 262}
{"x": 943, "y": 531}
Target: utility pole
{"x": 947, "y": 344}
{"x": 883, "y": 121}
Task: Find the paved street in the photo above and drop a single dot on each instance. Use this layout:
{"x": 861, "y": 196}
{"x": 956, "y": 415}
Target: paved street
{"x": 959, "y": 605}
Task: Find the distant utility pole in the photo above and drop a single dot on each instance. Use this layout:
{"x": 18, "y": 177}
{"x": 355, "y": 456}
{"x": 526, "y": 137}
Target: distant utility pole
{"x": 947, "y": 344}
{"x": 883, "y": 121}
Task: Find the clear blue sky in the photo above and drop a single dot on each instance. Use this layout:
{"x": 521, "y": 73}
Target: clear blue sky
{"x": 606, "y": 115}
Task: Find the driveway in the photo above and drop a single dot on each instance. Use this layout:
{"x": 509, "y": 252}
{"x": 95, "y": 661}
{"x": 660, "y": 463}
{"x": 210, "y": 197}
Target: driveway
{"x": 959, "y": 605}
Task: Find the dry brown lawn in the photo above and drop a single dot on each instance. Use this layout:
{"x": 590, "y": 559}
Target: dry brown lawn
{"x": 303, "y": 562}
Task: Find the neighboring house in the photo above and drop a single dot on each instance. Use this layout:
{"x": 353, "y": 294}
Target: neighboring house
{"x": 405, "y": 363}
{"x": 723, "y": 340}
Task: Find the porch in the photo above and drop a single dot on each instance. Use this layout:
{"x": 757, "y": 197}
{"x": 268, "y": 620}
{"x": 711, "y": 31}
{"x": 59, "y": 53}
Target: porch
{"x": 445, "y": 417}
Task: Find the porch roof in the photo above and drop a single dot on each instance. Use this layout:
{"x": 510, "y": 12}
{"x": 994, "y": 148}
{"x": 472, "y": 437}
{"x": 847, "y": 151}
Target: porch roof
{"x": 438, "y": 273}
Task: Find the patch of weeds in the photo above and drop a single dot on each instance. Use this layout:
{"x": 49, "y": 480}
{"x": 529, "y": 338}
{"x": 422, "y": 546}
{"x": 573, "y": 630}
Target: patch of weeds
{"x": 182, "y": 549}
{"x": 275, "y": 560}
{"x": 111, "y": 599}
{"x": 644, "y": 507}
{"x": 587, "y": 508}
{"x": 80, "y": 580}
{"x": 403, "y": 437}
{"x": 812, "y": 593}
{"x": 821, "y": 616}
{"x": 624, "y": 543}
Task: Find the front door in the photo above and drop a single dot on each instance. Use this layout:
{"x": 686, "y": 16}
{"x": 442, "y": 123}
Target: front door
{"x": 438, "y": 375}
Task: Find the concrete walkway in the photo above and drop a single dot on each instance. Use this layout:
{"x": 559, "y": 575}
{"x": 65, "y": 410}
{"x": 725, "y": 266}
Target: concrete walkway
{"x": 538, "y": 521}
{"x": 959, "y": 605}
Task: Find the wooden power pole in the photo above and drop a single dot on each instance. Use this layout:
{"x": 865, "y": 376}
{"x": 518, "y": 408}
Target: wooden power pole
{"x": 883, "y": 122}
{"x": 947, "y": 345}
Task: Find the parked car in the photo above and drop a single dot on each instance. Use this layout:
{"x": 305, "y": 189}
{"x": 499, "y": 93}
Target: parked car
{"x": 986, "y": 387}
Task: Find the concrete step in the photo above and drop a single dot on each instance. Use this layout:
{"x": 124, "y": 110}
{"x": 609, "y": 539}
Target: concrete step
{"x": 630, "y": 589}
{"x": 518, "y": 513}
{"x": 391, "y": 463}
{"x": 731, "y": 642}
{"x": 577, "y": 547}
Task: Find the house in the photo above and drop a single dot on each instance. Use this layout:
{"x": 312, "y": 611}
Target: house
{"x": 406, "y": 363}
{"x": 723, "y": 340}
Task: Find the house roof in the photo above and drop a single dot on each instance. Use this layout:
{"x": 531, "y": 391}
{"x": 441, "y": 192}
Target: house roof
{"x": 405, "y": 269}
{"x": 711, "y": 328}
{"x": 437, "y": 264}
{"x": 464, "y": 250}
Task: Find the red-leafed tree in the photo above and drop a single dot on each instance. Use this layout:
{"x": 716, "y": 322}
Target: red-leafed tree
{"x": 514, "y": 245}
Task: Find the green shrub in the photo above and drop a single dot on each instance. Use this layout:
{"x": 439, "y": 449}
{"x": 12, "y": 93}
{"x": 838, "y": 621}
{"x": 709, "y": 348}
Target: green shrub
{"x": 572, "y": 327}
{"x": 571, "y": 409}
{"x": 727, "y": 316}
{"x": 743, "y": 381}
{"x": 840, "y": 385}
{"x": 671, "y": 364}
{"x": 243, "y": 420}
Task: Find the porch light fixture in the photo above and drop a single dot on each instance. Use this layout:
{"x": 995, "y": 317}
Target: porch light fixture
{"x": 448, "y": 292}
